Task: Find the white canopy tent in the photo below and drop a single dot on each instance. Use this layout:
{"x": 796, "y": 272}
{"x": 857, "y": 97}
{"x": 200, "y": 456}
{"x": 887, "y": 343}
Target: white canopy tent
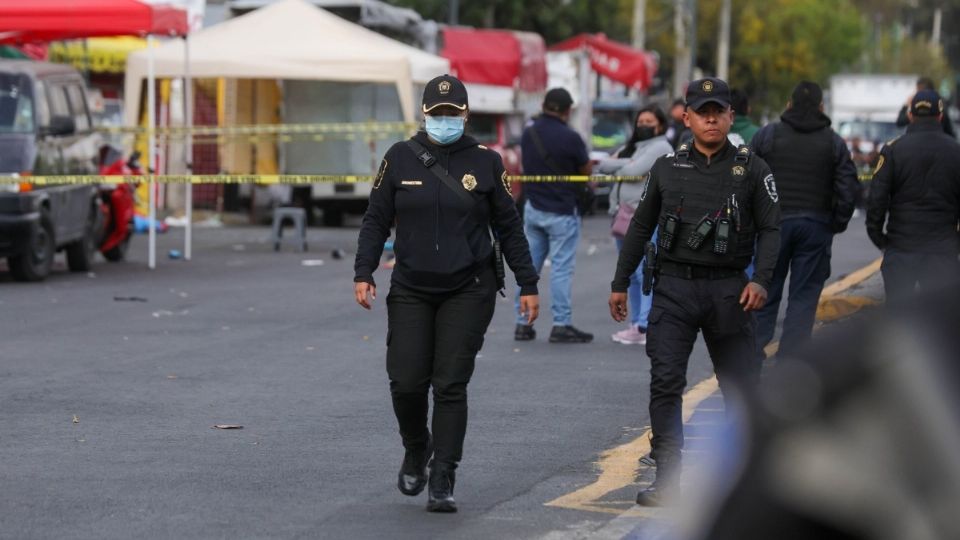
{"x": 290, "y": 39}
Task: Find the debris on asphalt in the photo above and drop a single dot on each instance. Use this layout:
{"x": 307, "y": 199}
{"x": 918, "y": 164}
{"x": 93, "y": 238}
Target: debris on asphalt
{"x": 228, "y": 426}
{"x": 312, "y": 262}
{"x": 338, "y": 253}
{"x": 174, "y": 254}
{"x": 171, "y": 376}
{"x": 129, "y": 299}
{"x": 76, "y": 419}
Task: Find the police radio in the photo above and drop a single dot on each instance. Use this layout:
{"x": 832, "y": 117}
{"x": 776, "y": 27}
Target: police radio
{"x": 703, "y": 230}
{"x": 721, "y": 240}
{"x": 671, "y": 227}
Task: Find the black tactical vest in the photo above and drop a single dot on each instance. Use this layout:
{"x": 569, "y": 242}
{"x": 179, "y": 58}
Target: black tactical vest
{"x": 727, "y": 183}
{"x": 803, "y": 164}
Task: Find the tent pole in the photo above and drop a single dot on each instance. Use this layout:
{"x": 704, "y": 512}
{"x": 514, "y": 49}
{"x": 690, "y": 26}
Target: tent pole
{"x": 188, "y": 141}
{"x": 151, "y": 153}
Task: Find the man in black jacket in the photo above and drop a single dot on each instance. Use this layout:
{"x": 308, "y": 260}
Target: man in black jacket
{"x": 915, "y": 193}
{"x": 715, "y": 205}
{"x": 818, "y": 187}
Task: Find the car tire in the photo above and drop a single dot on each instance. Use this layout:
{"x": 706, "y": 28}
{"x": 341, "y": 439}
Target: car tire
{"x": 118, "y": 252}
{"x": 80, "y": 254}
{"x": 35, "y": 264}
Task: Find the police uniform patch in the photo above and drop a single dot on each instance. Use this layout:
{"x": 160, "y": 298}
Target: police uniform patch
{"x": 411, "y": 183}
{"x": 771, "y": 188}
{"x": 506, "y": 184}
{"x": 380, "y": 173}
{"x": 738, "y": 170}
{"x": 879, "y": 164}
{"x": 469, "y": 182}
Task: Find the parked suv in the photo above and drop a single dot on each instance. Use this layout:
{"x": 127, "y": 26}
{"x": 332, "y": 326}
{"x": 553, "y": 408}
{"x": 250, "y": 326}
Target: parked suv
{"x": 46, "y": 129}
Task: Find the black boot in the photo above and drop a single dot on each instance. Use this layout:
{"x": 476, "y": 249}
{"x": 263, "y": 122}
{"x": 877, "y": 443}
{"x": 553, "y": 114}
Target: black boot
{"x": 664, "y": 487}
{"x": 440, "y": 492}
{"x": 413, "y": 473}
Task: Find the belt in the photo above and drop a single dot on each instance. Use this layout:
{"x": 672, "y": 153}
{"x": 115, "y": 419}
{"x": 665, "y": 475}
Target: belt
{"x": 697, "y": 271}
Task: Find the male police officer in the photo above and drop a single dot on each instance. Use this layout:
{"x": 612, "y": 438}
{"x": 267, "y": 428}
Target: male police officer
{"x": 916, "y": 193}
{"x": 712, "y": 202}
{"x": 818, "y": 187}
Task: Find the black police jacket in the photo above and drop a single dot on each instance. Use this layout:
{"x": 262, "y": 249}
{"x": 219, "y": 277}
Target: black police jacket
{"x": 916, "y": 192}
{"x": 696, "y": 187}
{"x": 442, "y": 243}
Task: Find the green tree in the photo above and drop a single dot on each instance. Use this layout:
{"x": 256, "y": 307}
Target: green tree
{"x": 555, "y": 20}
{"x": 778, "y": 43}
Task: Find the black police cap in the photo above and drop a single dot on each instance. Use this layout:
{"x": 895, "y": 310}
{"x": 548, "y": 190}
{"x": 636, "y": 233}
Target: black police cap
{"x": 444, "y": 90}
{"x": 926, "y": 103}
{"x": 707, "y": 90}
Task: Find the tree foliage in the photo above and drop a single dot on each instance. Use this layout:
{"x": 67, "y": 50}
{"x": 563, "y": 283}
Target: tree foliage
{"x": 555, "y": 20}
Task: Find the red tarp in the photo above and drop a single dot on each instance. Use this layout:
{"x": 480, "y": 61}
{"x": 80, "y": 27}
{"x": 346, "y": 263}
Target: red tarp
{"x": 30, "y": 21}
{"x": 616, "y": 61}
{"x": 496, "y": 57}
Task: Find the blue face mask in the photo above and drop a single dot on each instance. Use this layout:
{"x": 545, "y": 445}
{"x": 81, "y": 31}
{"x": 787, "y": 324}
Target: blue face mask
{"x": 444, "y": 129}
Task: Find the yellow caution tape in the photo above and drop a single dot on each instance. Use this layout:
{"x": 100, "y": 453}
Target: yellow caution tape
{"x": 266, "y": 179}
{"x": 268, "y": 129}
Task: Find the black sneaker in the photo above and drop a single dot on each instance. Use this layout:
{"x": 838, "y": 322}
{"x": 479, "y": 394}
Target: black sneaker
{"x": 413, "y": 473}
{"x": 569, "y": 334}
{"x": 440, "y": 492}
{"x": 524, "y": 332}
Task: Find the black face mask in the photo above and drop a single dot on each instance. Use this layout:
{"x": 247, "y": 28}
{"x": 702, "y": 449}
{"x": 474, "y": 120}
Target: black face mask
{"x": 643, "y": 133}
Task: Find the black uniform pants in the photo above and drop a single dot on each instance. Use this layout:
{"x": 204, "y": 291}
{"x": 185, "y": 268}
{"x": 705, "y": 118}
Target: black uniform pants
{"x": 681, "y": 308}
{"x": 433, "y": 340}
{"x": 905, "y": 271}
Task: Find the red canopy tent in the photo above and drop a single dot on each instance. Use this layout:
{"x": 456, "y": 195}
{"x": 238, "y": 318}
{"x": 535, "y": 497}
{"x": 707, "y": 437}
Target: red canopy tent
{"x": 624, "y": 64}
{"x": 32, "y": 21}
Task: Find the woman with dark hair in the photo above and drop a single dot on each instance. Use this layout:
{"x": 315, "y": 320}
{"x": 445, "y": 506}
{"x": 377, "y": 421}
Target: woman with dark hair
{"x": 647, "y": 143}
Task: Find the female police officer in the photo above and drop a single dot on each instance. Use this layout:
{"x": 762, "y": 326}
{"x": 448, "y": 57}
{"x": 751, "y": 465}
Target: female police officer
{"x": 445, "y": 193}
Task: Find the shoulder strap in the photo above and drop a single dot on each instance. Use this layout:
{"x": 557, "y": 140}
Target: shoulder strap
{"x": 681, "y": 158}
{"x": 430, "y": 162}
{"x": 544, "y": 155}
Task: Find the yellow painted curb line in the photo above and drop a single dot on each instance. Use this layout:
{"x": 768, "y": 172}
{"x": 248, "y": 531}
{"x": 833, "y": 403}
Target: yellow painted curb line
{"x": 619, "y": 465}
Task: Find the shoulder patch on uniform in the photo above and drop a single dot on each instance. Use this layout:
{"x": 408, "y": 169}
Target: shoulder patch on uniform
{"x": 380, "y": 172}
{"x": 646, "y": 186}
{"x": 879, "y": 165}
{"x": 771, "y": 188}
{"x": 893, "y": 140}
{"x": 505, "y": 182}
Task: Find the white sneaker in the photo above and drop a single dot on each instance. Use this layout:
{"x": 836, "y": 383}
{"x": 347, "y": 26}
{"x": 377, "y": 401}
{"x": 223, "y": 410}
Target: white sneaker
{"x": 630, "y": 336}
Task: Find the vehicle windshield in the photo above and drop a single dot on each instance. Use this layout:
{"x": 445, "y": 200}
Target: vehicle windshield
{"x": 16, "y": 104}
{"x": 868, "y": 131}
{"x": 610, "y": 130}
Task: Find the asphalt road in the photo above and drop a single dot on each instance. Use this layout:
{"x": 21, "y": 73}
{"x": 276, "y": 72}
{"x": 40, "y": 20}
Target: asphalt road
{"x": 110, "y": 384}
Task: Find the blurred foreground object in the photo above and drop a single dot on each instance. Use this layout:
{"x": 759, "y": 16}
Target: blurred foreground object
{"x": 856, "y": 437}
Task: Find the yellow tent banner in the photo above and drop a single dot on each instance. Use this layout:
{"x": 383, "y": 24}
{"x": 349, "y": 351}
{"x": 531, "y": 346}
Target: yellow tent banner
{"x": 99, "y": 55}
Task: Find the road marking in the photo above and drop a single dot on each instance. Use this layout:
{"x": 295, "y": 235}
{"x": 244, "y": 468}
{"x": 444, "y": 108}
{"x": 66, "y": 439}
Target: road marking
{"x": 619, "y": 466}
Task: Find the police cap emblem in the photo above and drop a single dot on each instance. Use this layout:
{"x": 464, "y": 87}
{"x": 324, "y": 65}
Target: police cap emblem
{"x": 707, "y": 86}
{"x": 469, "y": 182}
{"x": 444, "y": 87}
